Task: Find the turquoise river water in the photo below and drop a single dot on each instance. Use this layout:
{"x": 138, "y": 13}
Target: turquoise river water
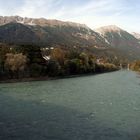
{"x": 98, "y": 107}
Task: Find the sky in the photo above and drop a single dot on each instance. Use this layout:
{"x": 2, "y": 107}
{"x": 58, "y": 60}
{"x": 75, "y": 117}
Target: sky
{"x": 93, "y": 13}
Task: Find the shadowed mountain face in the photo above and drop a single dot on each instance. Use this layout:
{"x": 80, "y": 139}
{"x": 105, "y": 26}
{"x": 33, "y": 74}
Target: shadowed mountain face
{"x": 48, "y": 32}
{"x": 17, "y": 33}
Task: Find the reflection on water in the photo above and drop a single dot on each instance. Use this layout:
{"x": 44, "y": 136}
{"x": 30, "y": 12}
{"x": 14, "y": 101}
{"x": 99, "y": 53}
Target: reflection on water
{"x": 101, "y": 107}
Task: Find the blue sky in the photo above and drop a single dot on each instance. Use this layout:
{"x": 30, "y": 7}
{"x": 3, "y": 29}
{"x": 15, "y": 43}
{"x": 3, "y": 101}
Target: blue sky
{"x": 94, "y": 13}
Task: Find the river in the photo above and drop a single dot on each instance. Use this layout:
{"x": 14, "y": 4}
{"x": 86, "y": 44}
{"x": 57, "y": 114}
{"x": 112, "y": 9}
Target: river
{"x": 98, "y": 107}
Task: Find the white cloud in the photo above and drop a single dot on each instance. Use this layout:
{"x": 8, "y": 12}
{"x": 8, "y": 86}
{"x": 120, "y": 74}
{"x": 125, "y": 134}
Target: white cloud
{"x": 31, "y": 8}
{"x": 38, "y": 8}
{"x": 94, "y": 13}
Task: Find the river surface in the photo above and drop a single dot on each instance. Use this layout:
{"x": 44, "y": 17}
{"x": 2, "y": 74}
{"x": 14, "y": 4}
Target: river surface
{"x": 99, "y": 107}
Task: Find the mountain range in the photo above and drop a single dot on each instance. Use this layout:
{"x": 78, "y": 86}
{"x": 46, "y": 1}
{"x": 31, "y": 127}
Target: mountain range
{"x": 107, "y": 40}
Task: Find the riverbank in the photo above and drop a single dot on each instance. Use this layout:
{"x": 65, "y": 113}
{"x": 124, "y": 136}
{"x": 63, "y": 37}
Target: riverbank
{"x": 45, "y": 78}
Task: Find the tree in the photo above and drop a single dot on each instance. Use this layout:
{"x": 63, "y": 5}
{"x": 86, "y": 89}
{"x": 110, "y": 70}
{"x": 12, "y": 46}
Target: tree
{"x": 85, "y": 62}
{"x": 53, "y": 68}
{"x": 35, "y": 70}
{"x": 84, "y": 58}
{"x": 58, "y": 55}
{"x": 36, "y": 64}
{"x": 33, "y": 53}
{"x": 15, "y": 63}
{"x": 72, "y": 66}
{"x": 92, "y": 63}
{"x": 3, "y": 51}
{"x": 135, "y": 66}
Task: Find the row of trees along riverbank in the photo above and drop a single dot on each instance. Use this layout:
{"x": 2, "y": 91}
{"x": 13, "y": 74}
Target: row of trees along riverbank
{"x": 135, "y": 66}
{"x": 27, "y": 61}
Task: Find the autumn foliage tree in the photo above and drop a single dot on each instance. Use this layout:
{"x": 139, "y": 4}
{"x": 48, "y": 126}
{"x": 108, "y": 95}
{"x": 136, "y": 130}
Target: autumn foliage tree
{"x": 59, "y": 55}
{"x": 135, "y": 66}
{"x": 15, "y": 63}
{"x": 22, "y": 61}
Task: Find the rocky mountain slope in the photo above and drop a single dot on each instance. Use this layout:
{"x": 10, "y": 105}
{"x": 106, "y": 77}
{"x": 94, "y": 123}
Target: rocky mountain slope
{"x": 48, "y": 32}
{"x": 120, "y": 39}
{"x": 108, "y": 40}
{"x": 17, "y": 33}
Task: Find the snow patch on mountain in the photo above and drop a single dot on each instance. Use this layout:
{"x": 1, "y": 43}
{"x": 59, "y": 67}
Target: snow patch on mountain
{"x": 136, "y": 35}
{"x": 110, "y": 28}
{"x": 120, "y": 34}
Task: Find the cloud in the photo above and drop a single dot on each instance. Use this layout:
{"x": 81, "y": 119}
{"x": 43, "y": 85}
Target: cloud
{"x": 61, "y": 9}
{"x": 39, "y": 8}
{"x": 94, "y": 13}
{"x": 9, "y": 7}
